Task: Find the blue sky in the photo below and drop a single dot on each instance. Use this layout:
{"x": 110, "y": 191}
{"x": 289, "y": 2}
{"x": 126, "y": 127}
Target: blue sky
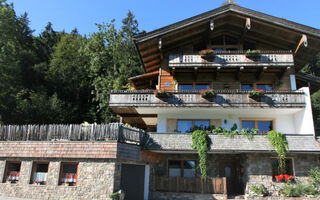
{"x": 151, "y": 14}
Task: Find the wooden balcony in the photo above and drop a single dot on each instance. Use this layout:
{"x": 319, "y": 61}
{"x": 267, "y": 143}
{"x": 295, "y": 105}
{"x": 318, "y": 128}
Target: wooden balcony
{"x": 232, "y": 59}
{"x": 188, "y": 185}
{"x": 222, "y": 99}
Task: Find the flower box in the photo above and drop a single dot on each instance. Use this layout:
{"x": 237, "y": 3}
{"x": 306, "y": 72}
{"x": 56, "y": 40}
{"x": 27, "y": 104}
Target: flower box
{"x": 161, "y": 93}
{"x": 207, "y": 53}
{"x": 257, "y": 93}
{"x": 207, "y": 93}
{"x": 284, "y": 177}
{"x": 253, "y": 53}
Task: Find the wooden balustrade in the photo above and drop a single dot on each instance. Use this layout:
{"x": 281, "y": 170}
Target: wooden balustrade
{"x": 233, "y": 58}
{"x": 72, "y": 132}
{"x": 277, "y": 99}
{"x": 188, "y": 185}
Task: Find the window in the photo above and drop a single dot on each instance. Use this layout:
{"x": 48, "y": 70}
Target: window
{"x": 39, "y": 173}
{"x": 68, "y": 174}
{"x": 182, "y": 168}
{"x": 202, "y": 86}
{"x": 12, "y": 171}
{"x": 247, "y": 87}
{"x": 185, "y": 126}
{"x": 185, "y": 87}
{"x": 264, "y": 86}
{"x": 288, "y": 169}
{"x": 262, "y": 125}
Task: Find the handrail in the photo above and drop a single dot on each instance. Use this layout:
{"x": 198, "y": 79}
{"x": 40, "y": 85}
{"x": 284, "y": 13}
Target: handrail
{"x": 218, "y": 91}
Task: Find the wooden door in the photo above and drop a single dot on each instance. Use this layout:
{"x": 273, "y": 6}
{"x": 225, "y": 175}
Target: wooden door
{"x": 132, "y": 181}
{"x": 230, "y": 170}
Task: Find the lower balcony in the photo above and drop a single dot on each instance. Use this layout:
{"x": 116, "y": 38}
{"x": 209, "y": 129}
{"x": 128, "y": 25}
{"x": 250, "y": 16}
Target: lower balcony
{"x": 221, "y": 99}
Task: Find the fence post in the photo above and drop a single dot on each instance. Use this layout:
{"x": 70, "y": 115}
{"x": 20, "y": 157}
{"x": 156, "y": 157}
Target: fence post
{"x": 120, "y": 132}
{"x": 224, "y": 185}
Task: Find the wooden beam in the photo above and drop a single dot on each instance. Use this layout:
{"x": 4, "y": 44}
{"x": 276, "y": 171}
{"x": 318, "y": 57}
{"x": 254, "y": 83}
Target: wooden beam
{"x": 261, "y": 73}
{"x": 151, "y": 57}
{"x": 303, "y": 41}
{"x": 138, "y": 115}
{"x": 152, "y": 62}
{"x": 248, "y": 24}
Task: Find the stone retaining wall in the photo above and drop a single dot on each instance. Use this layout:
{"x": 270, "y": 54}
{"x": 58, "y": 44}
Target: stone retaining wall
{"x": 185, "y": 196}
{"x": 96, "y": 180}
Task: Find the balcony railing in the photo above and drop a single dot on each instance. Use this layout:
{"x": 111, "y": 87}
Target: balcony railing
{"x": 73, "y": 132}
{"x": 223, "y": 98}
{"x": 233, "y": 59}
{"x": 188, "y": 185}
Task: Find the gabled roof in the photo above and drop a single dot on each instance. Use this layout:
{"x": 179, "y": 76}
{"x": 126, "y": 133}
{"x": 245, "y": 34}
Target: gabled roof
{"x": 285, "y": 33}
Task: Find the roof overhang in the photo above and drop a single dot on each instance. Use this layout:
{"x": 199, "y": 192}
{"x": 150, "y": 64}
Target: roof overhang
{"x": 278, "y": 32}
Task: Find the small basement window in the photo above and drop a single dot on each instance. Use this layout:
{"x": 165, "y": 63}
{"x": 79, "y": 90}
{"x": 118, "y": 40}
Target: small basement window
{"x": 68, "y": 174}
{"x": 275, "y": 168}
{"x": 12, "y": 171}
{"x": 39, "y": 173}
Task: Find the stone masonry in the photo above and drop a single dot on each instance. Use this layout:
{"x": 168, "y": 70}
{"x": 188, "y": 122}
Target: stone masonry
{"x": 95, "y": 181}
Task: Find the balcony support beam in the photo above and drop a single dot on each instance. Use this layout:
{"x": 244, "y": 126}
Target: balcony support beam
{"x": 303, "y": 41}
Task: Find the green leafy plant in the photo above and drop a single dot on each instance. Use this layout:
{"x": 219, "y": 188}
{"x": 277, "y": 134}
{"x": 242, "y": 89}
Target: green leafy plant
{"x": 314, "y": 174}
{"x": 231, "y": 133}
{"x": 279, "y": 142}
{"x": 114, "y": 195}
{"x": 259, "y": 190}
{"x": 297, "y": 190}
{"x": 256, "y": 93}
{"x": 200, "y": 143}
{"x": 253, "y": 52}
{"x": 207, "y": 93}
{"x": 161, "y": 93}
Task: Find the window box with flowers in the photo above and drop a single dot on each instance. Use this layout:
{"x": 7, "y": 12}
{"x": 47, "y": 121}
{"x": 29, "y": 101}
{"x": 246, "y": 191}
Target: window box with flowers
{"x": 161, "y": 93}
{"x": 13, "y": 176}
{"x": 284, "y": 177}
{"x": 207, "y": 93}
{"x": 257, "y": 93}
{"x": 207, "y": 53}
{"x": 253, "y": 53}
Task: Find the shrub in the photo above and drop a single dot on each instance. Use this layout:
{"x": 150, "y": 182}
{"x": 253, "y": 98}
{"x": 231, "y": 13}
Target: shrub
{"x": 315, "y": 178}
{"x": 200, "y": 143}
{"x": 297, "y": 190}
{"x": 260, "y": 190}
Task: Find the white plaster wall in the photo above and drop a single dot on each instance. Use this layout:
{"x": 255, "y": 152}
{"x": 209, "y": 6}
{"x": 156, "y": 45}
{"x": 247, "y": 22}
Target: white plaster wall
{"x": 283, "y": 123}
{"x": 304, "y": 118}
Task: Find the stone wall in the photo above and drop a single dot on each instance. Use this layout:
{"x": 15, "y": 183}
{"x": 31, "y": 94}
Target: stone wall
{"x": 97, "y": 179}
{"x": 185, "y": 196}
{"x": 259, "y": 171}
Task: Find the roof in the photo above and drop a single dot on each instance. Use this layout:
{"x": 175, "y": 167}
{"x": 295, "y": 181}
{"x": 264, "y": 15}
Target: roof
{"x": 304, "y": 79}
{"x": 150, "y": 40}
{"x": 220, "y": 143}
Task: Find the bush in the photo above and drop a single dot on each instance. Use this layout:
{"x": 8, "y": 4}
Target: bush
{"x": 315, "y": 178}
{"x": 297, "y": 190}
{"x": 259, "y": 190}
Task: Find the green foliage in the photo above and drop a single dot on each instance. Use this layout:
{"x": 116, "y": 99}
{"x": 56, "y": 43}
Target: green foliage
{"x": 260, "y": 190}
{"x": 256, "y": 93}
{"x": 297, "y": 189}
{"x": 250, "y": 52}
{"x": 200, "y": 143}
{"x": 279, "y": 142}
{"x": 207, "y": 93}
{"x": 114, "y": 195}
{"x": 231, "y": 133}
{"x": 314, "y": 174}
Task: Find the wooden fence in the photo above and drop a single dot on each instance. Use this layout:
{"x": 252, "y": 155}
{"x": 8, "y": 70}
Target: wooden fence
{"x": 188, "y": 185}
{"x": 72, "y": 132}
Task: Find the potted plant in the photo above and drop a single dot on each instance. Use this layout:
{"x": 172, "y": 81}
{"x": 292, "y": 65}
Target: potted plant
{"x": 207, "y": 93}
{"x": 207, "y": 53}
{"x": 13, "y": 176}
{"x": 161, "y": 93}
{"x": 253, "y": 53}
{"x": 257, "y": 93}
{"x": 114, "y": 196}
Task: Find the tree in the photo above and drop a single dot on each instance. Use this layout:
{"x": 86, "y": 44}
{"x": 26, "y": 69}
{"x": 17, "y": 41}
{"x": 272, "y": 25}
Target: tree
{"x": 113, "y": 60}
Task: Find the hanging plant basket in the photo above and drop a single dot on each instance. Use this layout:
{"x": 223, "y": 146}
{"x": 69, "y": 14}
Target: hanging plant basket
{"x": 207, "y": 93}
{"x": 253, "y": 53}
{"x": 161, "y": 94}
{"x": 207, "y": 53}
{"x": 256, "y": 94}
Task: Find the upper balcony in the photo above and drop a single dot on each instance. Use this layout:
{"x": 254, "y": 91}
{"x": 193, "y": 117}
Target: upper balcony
{"x": 233, "y": 59}
{"x": 222, "y": 99}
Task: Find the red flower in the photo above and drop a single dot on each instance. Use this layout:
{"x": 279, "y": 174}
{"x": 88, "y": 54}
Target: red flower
{"x": 284, "y": 177}
{"x": 279, "y": 177}
{"x": 260, "y": 90}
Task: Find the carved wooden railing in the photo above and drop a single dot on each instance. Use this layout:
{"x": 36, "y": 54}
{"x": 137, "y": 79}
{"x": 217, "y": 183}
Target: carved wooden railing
{"x": 233, "y": 58}
{"x": 72, "y": 132}
{"x": 188, "y": 185}
{"x": 223, "y": 98}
